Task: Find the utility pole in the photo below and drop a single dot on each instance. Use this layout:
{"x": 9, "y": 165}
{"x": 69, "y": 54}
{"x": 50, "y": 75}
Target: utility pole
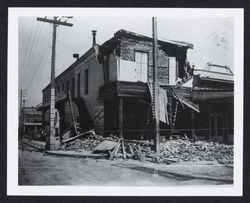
{"x": 23, "y": 94}
{"x": 51, "y": 141}
{"x": 155, "y": 106}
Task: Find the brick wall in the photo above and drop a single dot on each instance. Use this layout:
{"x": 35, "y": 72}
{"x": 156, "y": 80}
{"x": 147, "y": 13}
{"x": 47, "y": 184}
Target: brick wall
{"x": 127, "y": 52}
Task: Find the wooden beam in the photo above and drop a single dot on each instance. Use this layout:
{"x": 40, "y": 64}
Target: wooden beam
{"x": 209, "y": 117}
{"x": 120, "y": 106}
{"x": 193, "y": 124}
{"x": 57, "y": 22}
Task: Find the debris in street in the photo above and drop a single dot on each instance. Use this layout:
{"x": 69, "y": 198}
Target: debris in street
{"x": 66, "y": 134}
{"x": 78, "y": 136}
{"x": 187, "y": 150}
{"x": 171, "y": 151}
{"x": 87, "y": 142}
{"x": 105, "y": 145}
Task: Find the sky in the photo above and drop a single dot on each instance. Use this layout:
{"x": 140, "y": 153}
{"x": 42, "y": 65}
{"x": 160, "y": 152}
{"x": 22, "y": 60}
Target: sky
{"x": 212, "y": 39}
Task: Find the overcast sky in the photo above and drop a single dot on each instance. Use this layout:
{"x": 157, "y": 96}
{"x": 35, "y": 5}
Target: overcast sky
{"x": 212, "y": 39}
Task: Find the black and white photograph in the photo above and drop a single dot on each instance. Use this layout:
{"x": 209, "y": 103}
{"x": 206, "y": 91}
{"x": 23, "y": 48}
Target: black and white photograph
{"x": 125, "y": 101}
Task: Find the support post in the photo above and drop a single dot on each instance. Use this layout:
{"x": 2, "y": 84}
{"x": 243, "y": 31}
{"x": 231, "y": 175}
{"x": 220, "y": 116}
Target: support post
{"x": 20, "y": 115}
{"x": 35, "y": 130}
{"x": 156, "y": 86}
{"x": 210, "y": 126}
{"x": 193, "y": 124}
{"x": 120, "y": 118}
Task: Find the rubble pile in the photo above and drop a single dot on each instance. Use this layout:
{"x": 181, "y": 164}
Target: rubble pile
{"x": 85, "y": 143}
{"x": 187, "y": 150}
{"x": 171, "y": 151}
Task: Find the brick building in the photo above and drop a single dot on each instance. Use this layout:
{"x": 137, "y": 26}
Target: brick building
{"x": 110, "y": 87}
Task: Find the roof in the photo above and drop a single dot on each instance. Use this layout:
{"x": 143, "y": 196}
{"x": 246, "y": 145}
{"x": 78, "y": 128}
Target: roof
{"x": 160, "y": 40}
{"x": 212, "y": 75}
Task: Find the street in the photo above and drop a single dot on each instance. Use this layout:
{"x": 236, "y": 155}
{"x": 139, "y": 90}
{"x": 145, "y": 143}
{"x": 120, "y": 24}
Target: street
{"x": 36, "y": 168}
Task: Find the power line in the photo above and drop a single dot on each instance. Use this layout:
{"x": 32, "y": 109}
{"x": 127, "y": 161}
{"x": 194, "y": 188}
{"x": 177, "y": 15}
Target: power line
{"x": 29, "y": 50}
{"x": 34, "y": 50}
{"x": 42, "y": 60}
{"x": 38, "y": 67}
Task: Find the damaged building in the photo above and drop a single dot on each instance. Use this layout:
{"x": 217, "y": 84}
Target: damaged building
{"x": 111, "y": 91}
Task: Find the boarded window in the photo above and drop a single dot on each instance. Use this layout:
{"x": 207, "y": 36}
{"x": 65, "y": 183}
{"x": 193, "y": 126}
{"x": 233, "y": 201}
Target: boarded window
{"x": 86, "y": 81}
{"x": 141, "y": 59}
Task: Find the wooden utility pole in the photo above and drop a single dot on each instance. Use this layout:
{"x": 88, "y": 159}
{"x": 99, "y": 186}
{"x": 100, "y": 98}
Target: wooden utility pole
{"x": 51, "y": 142}
{"x": 155, "y": 106}
{"x": 23, "y": 94}
{"x": 20, "y": 115}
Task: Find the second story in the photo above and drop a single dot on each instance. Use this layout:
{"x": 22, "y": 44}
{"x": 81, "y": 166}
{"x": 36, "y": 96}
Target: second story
{"x": 126, "y": 57}
{"x": 82, "y": 79}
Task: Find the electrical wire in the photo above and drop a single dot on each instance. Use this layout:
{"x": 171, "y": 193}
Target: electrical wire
{"x": 24, "y": 62}
{"x": 31, "y": 50}
{"x": 35, "y": 47}
{"x": 42, "y": 61}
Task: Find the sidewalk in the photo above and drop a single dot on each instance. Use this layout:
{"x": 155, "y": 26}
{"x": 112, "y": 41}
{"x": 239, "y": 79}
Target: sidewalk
{"x": 42, "y": 146}
{"x": 33, "y": 143}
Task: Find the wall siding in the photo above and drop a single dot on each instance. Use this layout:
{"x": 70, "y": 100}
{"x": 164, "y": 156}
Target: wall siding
{"x": 95, "y": 82}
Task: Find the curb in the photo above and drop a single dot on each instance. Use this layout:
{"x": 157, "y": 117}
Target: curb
{"x": 75, "y": 154}
{"x": 32, "y": 144}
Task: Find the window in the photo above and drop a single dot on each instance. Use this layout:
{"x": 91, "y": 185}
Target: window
{"x": 86, "y": 81}
{"x": 67, "y": 87}
{"x": 58, "y": 89}
{"x": 73, "y": 87}
{"x": 63, "y": 87}
{"x": 141, "y": 59}
{"x": 78, "y": 84}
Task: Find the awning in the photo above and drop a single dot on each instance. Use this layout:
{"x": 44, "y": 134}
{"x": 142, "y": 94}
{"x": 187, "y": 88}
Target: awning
{"x": 203, "y": 96}
{"x": 187, "y": 102}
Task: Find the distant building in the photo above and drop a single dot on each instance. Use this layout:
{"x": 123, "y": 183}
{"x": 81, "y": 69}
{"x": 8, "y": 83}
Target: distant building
{"x": 31, "y": 120}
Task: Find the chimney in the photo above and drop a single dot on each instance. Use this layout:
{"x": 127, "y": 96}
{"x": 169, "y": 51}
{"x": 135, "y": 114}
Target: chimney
{"x": 94, "y": 37}
{"x": 76, "y": 56}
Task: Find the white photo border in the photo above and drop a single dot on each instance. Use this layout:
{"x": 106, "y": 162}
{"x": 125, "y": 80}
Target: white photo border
{"x": 12, "y": 117}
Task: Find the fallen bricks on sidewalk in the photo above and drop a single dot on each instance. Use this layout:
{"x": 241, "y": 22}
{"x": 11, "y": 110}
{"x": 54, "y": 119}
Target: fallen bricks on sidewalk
{"x": 171, "y": 151}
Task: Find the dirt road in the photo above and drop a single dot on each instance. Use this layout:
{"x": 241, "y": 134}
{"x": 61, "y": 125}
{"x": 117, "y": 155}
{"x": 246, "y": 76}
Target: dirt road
{"x": 35, "y": 168}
